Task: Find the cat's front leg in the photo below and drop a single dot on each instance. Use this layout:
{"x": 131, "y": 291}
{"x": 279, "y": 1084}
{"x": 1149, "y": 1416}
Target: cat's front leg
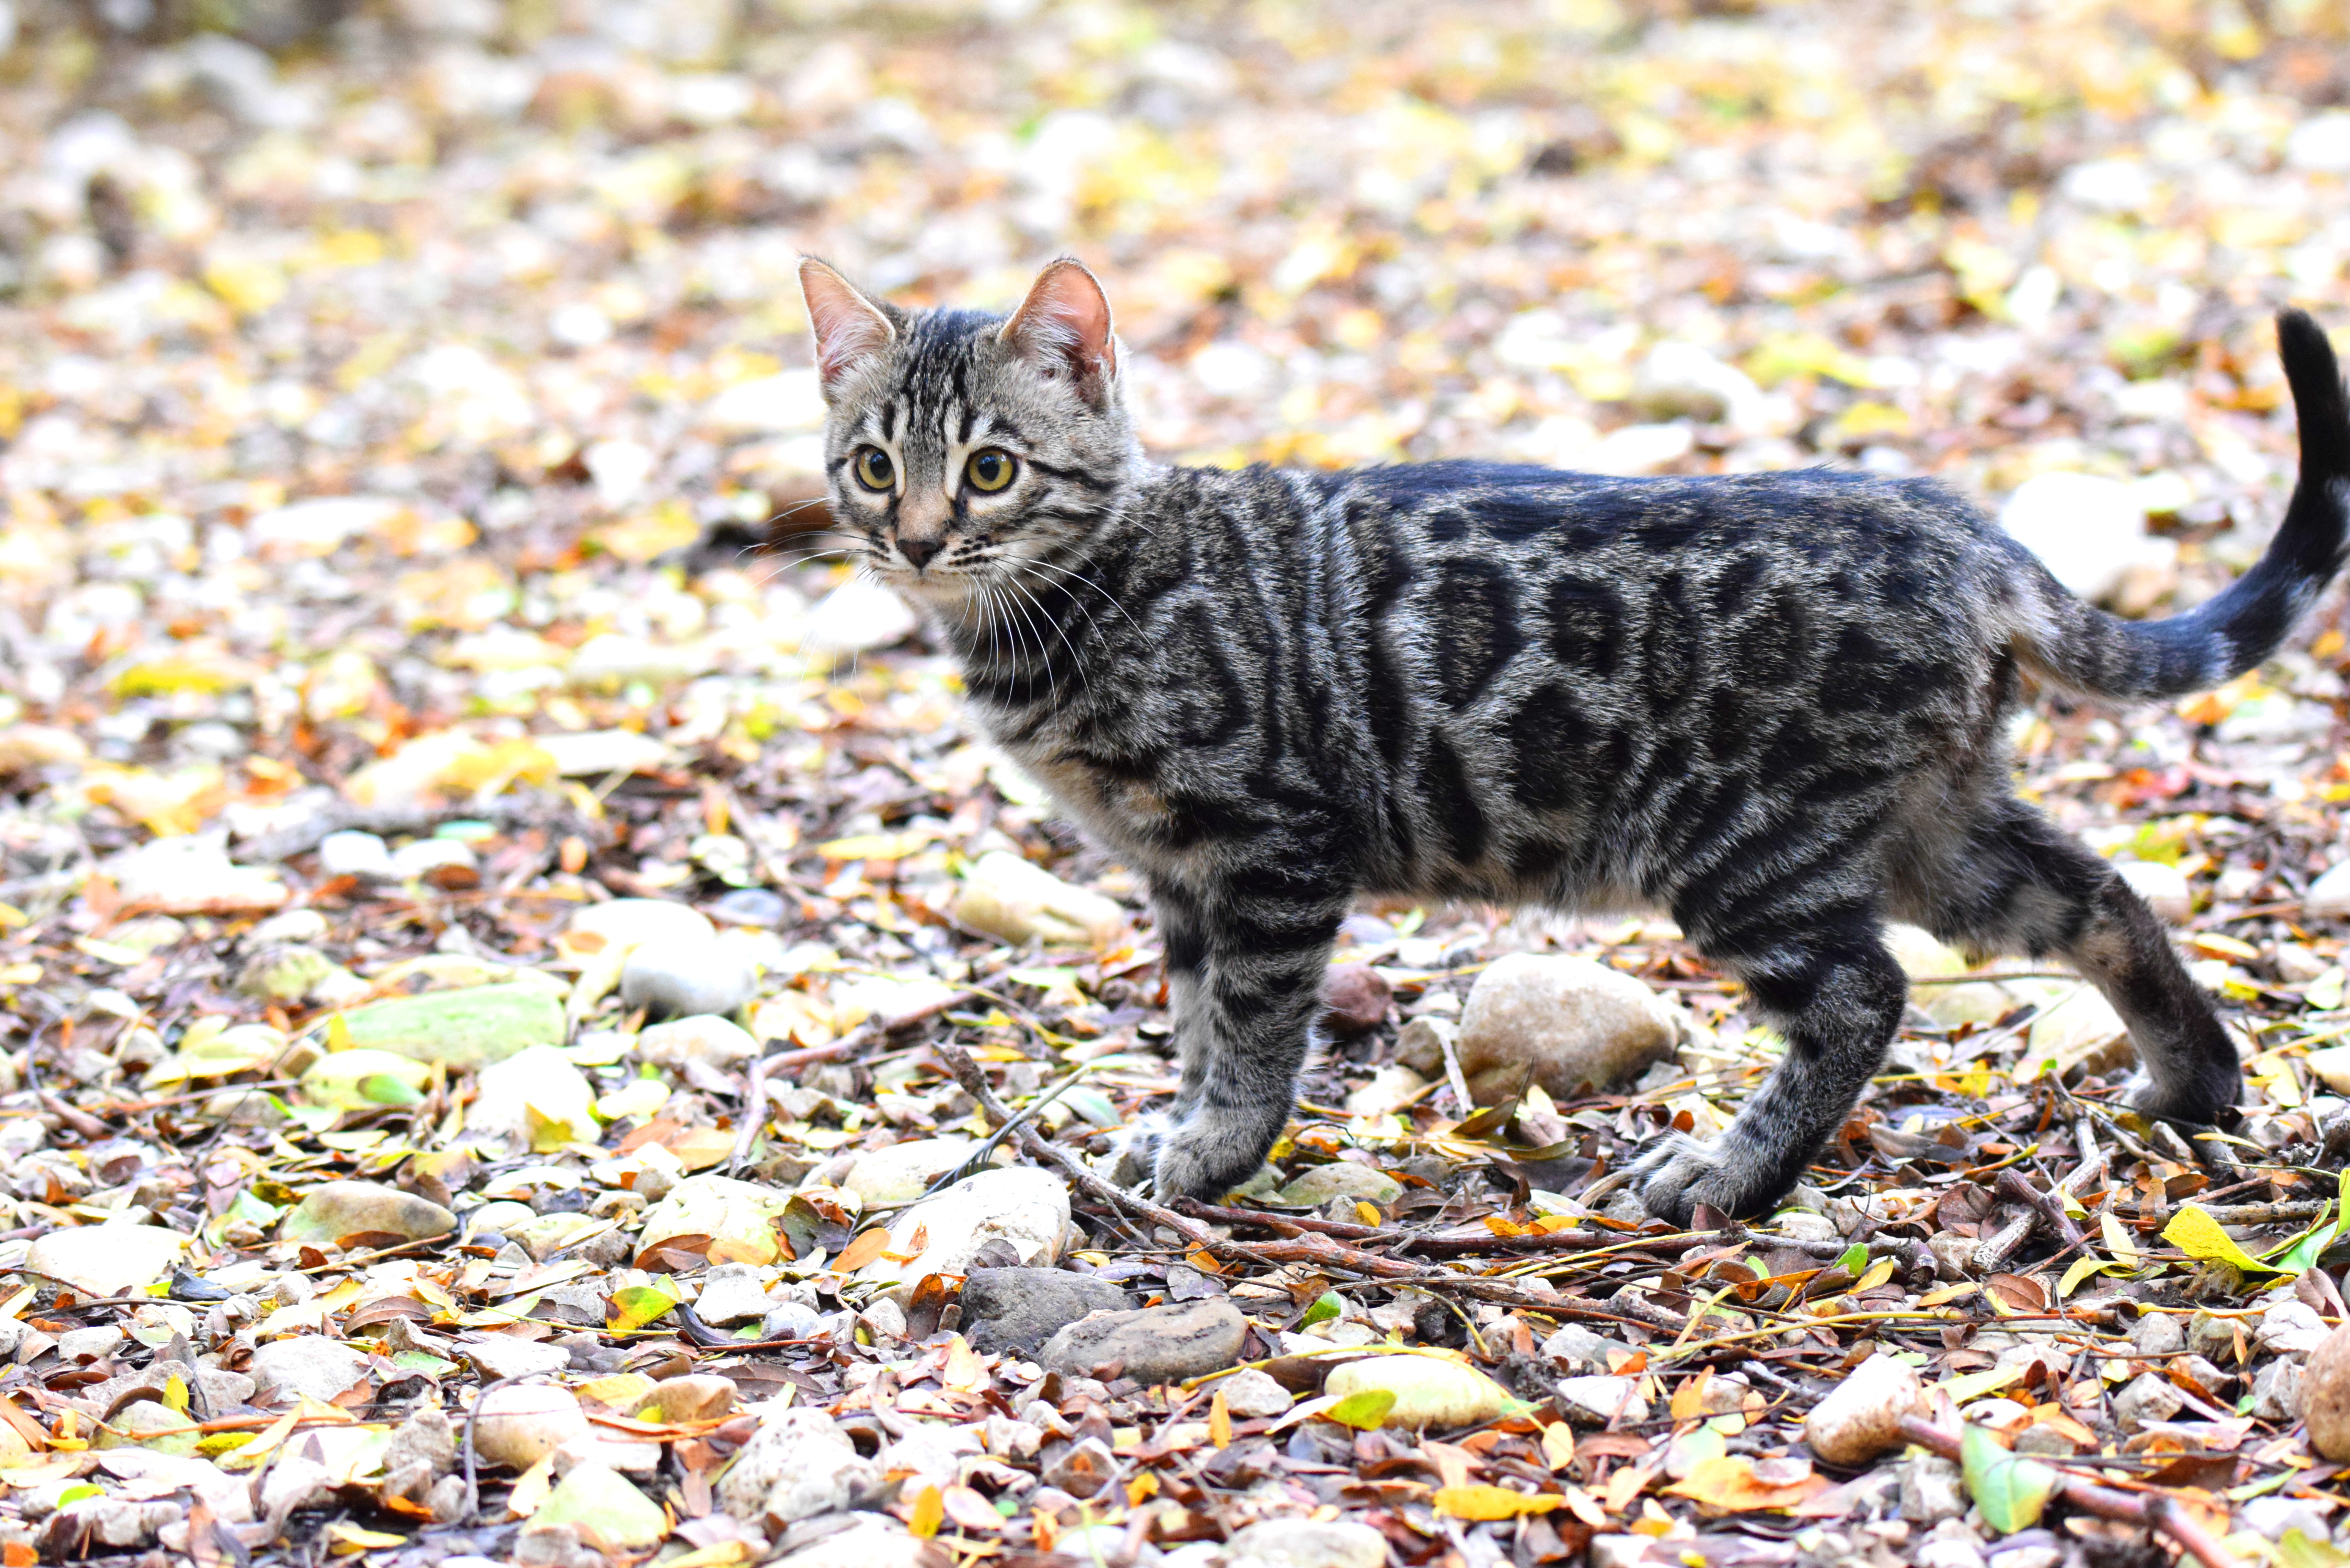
{"x": 1245, "y": 959}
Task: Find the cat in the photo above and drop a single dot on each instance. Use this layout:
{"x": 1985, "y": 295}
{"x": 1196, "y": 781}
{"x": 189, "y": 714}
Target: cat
{"x": 1773, "y": 705}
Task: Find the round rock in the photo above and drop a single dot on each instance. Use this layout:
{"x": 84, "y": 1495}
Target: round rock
{"x": 1157, "y": 1344}
{"x": 1579, "y": 1024}
{"x": 341, "y": 1209}
{"x": 307, "y": 1365}
{"x": 678, "y": 977}
{"x": 627, "y": 923}
{"x": 704, "y": 1037}
{"x": 1341, "y": 1178}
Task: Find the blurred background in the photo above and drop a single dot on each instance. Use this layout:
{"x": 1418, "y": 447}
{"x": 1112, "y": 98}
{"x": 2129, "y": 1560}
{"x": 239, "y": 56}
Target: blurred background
{"x": 372, "y": 368}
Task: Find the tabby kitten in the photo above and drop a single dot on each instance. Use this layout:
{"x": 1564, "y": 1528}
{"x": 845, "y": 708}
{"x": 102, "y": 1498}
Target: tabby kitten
{"x": 1771, "y": 704}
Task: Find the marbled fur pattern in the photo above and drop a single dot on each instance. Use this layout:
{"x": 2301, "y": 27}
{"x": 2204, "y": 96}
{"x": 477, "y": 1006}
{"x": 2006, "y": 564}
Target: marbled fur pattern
{"x": 1772, "y": 705}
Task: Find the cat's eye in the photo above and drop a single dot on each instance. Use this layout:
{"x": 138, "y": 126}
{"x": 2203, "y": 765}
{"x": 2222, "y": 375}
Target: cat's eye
{"x": 874, "y": 469}
{"x": 989, "y": 469}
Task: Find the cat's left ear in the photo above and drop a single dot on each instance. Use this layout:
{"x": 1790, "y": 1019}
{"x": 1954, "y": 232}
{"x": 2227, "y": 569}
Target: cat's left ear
{"x": 1064, "y": 328}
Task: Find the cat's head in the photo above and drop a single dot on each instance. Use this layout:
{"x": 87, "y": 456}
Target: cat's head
{"x": 959, "y": 443}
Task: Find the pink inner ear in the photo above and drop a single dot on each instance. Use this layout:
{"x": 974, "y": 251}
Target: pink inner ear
{"x": 848, "y": 328}
{"x": 1065, "y": 315}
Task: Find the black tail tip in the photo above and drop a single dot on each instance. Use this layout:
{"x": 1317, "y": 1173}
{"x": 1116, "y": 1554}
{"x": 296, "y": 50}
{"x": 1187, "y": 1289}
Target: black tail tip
{"x": 2319, "y": 400}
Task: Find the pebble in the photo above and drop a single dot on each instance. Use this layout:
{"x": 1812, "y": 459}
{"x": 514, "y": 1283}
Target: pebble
{"x": 296, "y": 972}
{"x": 680, "y": 977}
{"x": 629, "y": 923}
{"x": 2325, "y": 1395}
{"x": 414, "y": 861}
{"x": 703, "y": 1037}
{"x": 754, "y": 906}
{"x": 1015, "y": 1311}
{"x": 108, "y": 1260}
{"x": 1860, "y": 1418}
{"x": 354, "y": 853}
{"x": 792, "y": 1320}
{"x": 2278, "y": 1394}
{"x": 2290, "y": 1328}
{"x": 2164, "y": 888}
{"x": 1356, "y": 998}
{"x": 466, "y": 1029}
{"x": 731, "y": 1294}
{"x": 798, "y": 1464}
{"x": 1430, "y": 1391}
{"x": 288, "y": 926}
{"x": 1153, "y": 1346}
{"x": 496, "y": 1355}
{"x": 883, "y": 1178}
{"x": 1579, "y": 1024}
{"x": 2329, "y": 897}
{"x": 1340, "y": 1178}
{"x": 1598, "y": 1399}
{"x": 2087, "y": 530}
{"x": 522, "y": 1423}
{"x": 1082, "y": 1468}
{"x": 1308, "y": 1544}
{"x": 872, "y": 1542}
{"x": 339, "y": 1208}
{"x": 1930, "y": 1490}
{"x": 308, "y": 1366}
{"x": 1252, "y": 1394}
{"x": 1026, "y": 1208}
{"x": 2149, "y": 1398}
{"x": 191, "y": 876}
{"x": 2159, "y": 1334}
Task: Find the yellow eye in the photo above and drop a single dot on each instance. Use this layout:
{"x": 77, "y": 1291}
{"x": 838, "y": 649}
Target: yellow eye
{"x": 874, "y": 469}
{"x": 989, "y": 470}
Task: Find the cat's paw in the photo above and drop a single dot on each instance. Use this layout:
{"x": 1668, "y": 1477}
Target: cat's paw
{"x": 2193, "y": 1107}
{"x": 1678, "y": 1173}
{"x": 1137, "y": 1153}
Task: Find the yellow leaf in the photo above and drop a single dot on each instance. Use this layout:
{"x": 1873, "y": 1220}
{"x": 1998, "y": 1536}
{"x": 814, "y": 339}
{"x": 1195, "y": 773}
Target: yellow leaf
{"x": 1220, "y": 1420}
{"x": 1141, "y": 1489}
{"x": 1483, "y": 1502}
{"x": 1878, "y": 1272}
{"x": 1558, "y": 1444}
{"x": 930, "y": 1512}
{"x": 531, "y": 1487}
{"x": 669, "y": 526}
{"x": 350, "y": 1539}
{"x": 1730, "y": 1484}
{"x": 175, "y": 1394}
{"x": 2194, "y": 1232}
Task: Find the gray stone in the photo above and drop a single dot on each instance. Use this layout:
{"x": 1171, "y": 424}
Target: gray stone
{"x": 1253, "y": 1396}
{"x": 354, "y": 854}
{"x": 1081, "y": 1468}
{"x": 496, "y": 1355}
{"x": 2046, "y": 1441}
{"x": 731, "y": 1294}
{"x": 1576, "y": 1023}
{"x": 2292, "y": 1328}
{"x": 1580, "y": 1347}
{"x": 703, "y": 1037}
{"x": 2277, "y": 1391}
{"x": 1600, "y": 1400}
{"x": 2213, "y": 1380}
{"x": 2213, "y": 1337}
{"x": 310, "y": 1363}
{"x": 1308, "y": 1543}
{"x": 1016, "y": 1311}
{"x": 792, "y": 1320}
{"x": 797, "y": 1464}
{"x": 425, "y": 1438}
{"x": 88, "y": 1344}
{"x": 673, "y": 978}
{"x": 2159, "y": 1334}
{"x": 1157, "y": 1344}
{"x": 1930, "y": 1491}
{"x": 2148, "y": 1398}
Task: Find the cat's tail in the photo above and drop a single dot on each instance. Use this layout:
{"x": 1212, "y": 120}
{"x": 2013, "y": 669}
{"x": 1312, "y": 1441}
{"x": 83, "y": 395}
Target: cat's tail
{"x": 2077, "y": 645}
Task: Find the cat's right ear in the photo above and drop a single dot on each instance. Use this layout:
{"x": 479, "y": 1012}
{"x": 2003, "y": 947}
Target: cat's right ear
{"x": 849, "y": 328}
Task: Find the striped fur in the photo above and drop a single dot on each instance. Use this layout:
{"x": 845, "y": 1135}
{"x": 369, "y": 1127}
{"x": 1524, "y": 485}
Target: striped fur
{"x": 1769, "y": 704}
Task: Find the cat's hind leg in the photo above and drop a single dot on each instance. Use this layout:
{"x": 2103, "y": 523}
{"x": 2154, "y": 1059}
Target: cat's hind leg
{"x": 1823, "y": 973}
{"x": 2011, "y": 881}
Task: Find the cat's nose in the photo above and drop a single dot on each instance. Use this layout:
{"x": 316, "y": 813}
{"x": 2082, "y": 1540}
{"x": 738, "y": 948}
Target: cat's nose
{"x": 920, "y": 550}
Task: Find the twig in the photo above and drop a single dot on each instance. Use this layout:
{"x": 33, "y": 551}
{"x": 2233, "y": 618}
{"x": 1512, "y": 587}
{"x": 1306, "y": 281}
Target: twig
{"x": 2158, "y": 1512}
{"x": 2051, "y": 1212}
{"x": 863, "y": 1036}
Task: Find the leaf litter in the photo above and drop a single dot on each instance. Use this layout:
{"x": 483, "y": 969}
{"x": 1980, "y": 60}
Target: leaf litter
{"x": 424, "y": 671}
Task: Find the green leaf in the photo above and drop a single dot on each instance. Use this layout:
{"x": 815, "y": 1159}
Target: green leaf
{"x": 2298, "y": 1551}
{"x": 2011, "y": 1490}
{"x": 1855, "y": 1260}
{"x": 1363, "y": 1410}
{"x": 1325, "y": 1306}
{"x": 633, "y": 1306}
{"x": 383, "y": 1089}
